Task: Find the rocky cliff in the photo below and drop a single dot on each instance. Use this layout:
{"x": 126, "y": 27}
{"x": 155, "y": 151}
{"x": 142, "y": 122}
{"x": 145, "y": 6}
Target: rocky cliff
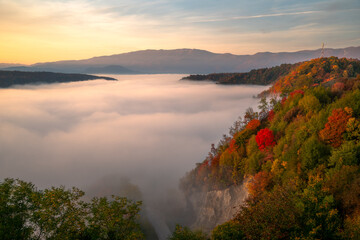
{"x": 216, "y": 207}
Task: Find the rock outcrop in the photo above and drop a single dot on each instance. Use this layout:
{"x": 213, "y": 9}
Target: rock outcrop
{"x": 216, "y": 207}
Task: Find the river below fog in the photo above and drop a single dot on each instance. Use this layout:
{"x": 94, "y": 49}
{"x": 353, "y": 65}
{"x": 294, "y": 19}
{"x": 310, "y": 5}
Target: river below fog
{"x": 147, "y": 129}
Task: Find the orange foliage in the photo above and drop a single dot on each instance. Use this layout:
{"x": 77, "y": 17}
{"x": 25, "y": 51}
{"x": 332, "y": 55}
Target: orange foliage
{"x": 338, "y": 87}
{"x": 232, "y": 146}
{"x": 335, "y": 127}
{"x": 215, "y": 162}
{"x": 316, "y": 71}
{"x": 260, "y": 182}
{"x": 253, "y": 124}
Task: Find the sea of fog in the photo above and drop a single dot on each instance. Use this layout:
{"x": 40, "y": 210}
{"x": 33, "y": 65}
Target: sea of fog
{"x": 147, "y": 129}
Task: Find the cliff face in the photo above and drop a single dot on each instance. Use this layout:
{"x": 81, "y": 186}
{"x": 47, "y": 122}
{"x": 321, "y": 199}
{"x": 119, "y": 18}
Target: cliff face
{"x": 216, "y": 207}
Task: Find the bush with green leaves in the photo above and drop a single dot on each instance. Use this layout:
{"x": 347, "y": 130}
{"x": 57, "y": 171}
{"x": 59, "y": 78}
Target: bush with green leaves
{"x": 184, "y": 233}
{"x": 61, "y": 214}
{"x": 228, "y": 231}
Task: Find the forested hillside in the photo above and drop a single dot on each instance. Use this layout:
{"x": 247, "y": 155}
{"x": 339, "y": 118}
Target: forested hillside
{"x": 262, "y": 76}
{"x": 10, "y": 78}
{"x": 300, "y": 157}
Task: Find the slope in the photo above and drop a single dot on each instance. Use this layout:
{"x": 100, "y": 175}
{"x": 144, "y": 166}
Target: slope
{"x": 300, "y": 155}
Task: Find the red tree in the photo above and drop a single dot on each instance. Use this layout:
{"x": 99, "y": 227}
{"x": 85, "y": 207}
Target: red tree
{"x": 265, "y": 138}
{"x": 271, "y": 115}
{"x": 335, "y": 127}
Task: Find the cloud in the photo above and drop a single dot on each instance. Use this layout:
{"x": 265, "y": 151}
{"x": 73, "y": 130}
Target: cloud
{"x": 149, "y": 130}
{"x": 75, "y": 133}
{"x": 258, "y": 16}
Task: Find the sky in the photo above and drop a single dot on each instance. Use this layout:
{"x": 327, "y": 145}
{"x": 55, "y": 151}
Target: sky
{"x": 49, "y": 30}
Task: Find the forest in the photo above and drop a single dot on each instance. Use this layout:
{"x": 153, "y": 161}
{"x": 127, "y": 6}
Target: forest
{"x": 299, "y": 156}
{"x": 10, "y": 78}
{"x": 262, "y": 76}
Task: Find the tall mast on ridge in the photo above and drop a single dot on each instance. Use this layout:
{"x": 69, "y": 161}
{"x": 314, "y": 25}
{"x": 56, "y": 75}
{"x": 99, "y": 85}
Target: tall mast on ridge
{"x": 322, "y": 51}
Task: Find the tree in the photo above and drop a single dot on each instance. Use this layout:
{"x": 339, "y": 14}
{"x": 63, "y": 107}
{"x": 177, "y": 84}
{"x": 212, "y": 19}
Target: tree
{"x": 271, "y": 115}
{"x": 259, "y": 183}
{"x": 228, "y": 231}
{"x": 250, "y": 115}
{"x": 16, "y": 205}
{"x": 115, "y": 219}
{"x": 335, "y": 127}
{"x": 265, "y": 138}
{"x": 272, "y": 215}
{"x": 60, "y": 214}
{"x": 313, "y": 153}
{"x": 264, "y": 107}
{"x": 184, "y": 233}
{"x": 253, "y": 124}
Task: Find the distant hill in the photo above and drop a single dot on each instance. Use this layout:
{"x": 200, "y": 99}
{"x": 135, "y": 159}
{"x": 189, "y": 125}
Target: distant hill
{"x": 192, "y": 61}
{"x": 262, "y": 76}
{"x": 6, "y": 65}
{"x": 9, "y": 78}
{"x": 110, "y": 69}
{"x": 188, "y": 61}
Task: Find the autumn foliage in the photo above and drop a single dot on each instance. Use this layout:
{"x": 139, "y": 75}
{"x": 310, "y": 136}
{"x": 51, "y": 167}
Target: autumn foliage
{"x": 253, "y": 124}
{"x": 259, "y": 183}
{"x": 265, "y": 138}
{"x": 232, "y": 145}
{"x": 304, "y": 185}
{"x": 296, "y": 92}
{"x": 271, "y": 115}
{"x": 335, "y": 127}
{"x": 316, "y": 72}
{"x": 338, "y": 87}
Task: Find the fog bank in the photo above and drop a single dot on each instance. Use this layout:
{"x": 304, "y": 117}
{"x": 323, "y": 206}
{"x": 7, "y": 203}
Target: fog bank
{"x": 149, "y": 129}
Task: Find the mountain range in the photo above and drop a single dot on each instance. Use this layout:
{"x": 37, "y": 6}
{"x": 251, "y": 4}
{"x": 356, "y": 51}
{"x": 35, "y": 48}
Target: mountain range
{"x": 186, "y": 61}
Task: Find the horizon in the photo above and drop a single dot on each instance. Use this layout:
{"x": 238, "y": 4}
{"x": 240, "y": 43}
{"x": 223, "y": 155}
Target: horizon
{"x": 42, "y": 30}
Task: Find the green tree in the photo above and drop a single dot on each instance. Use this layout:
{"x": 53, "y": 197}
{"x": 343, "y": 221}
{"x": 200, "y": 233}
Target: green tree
{"x": 115, "y": 219}
{"x": 58, "y": 213}
{"x": 15, "y": 209}
{"x": 228, "y": 231}
{"x": 313, "y": 153}
{"x": 184, "y": 233}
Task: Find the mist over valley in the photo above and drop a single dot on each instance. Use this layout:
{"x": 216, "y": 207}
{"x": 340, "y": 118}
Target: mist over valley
{"x": 148, "y": 129}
